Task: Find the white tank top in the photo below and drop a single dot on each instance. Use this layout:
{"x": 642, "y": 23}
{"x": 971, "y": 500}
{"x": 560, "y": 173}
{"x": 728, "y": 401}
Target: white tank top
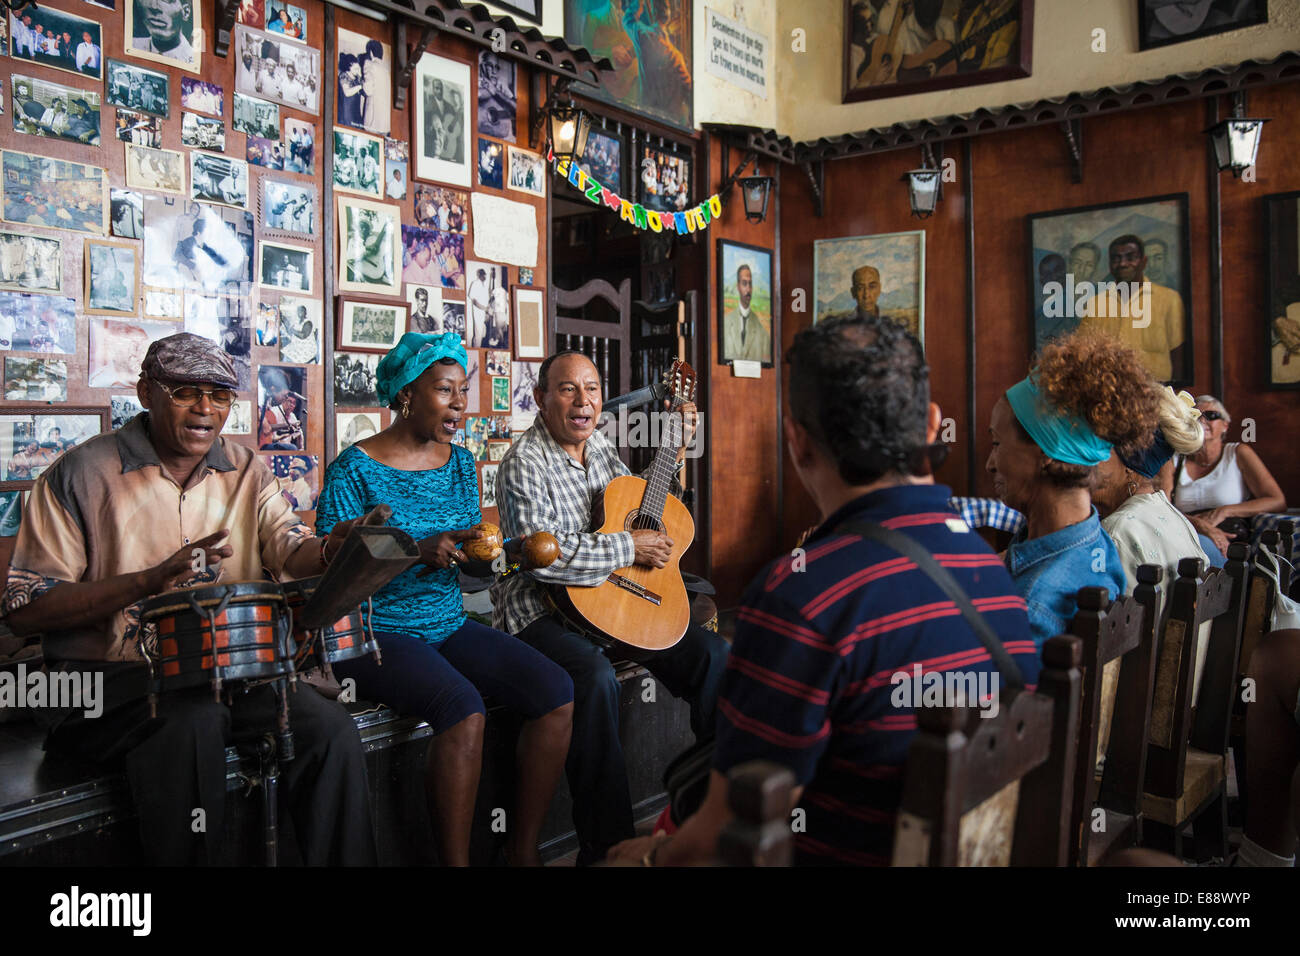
{"x": 1225, "y": 485}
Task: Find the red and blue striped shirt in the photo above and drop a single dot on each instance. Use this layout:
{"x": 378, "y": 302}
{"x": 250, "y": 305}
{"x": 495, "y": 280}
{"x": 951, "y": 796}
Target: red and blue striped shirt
{"x": 820, "y": 639}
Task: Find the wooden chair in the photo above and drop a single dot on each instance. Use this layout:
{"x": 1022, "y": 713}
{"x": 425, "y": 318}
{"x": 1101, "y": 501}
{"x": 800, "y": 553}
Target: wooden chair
{"x": 1115, "y": 636}
{"x": 760, "y": 797}
{"x": 1185, "y": 775}
{"x": 995, "y": 791}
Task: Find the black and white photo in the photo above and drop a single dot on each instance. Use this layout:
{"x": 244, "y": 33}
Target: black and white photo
{"x": 143, "y": 129}
{"x": 289, "y": 207}
{"x": 196, "y": 246}
{"x": 55, "y": 111}
{"x": 218, "y": 179}
{"x": 370, "y": 325}
{"x": 527, "y": 173}
{"x": 300, "y": 330}
{"x": 203, "y": 132}
{"x": 277, "y": 69}
{"x": 126, "y": 214}
{"x": 498, "y": 101}
{"x": 164, "y": 304}
{"x": 358, "y": 162}
{"x": 285, "y": 267}
{"x": 441, "y": 128}
{"x": 370, "y": 251}
{"x": 300, "y": 147}
{"x": 160, "y": 169}
{"x": 30, "y": 263}
{"x": 112, "y": 278}
{"x": 365, "y": 82}
{"x": 491, "y": 163}
{"x": 255, "y": 117}
{"x": 488, "y": 305}
{"x": 166, "y": 31}
{"x": 137, "y": 88}
{"x": 354, "y": 379}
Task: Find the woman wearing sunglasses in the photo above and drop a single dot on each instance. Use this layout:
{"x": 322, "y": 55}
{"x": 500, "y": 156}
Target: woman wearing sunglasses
{"x": 1223, "y": 485}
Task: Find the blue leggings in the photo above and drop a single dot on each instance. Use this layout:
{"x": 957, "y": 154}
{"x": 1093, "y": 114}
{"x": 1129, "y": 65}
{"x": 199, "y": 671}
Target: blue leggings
{"x": 444, "y": 683}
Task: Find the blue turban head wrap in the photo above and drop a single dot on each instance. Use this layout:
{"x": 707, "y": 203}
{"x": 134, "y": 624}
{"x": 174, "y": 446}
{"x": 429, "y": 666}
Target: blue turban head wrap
{"x": 410, "y": 357}
{"x": 1064, "y": 437}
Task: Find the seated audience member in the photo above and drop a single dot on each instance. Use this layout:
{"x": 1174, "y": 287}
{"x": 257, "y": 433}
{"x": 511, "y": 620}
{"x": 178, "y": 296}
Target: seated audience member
{"x": 437, "y": 662}
{"x": 119, "y": 519}
{"x": 1273, "y": 753}
{"x": 553, "y": 479}
{"x": 1142, "y": 522}
{"x": 813, "y": 681}
{"x": 1223, "y": 485}
{"x": 1050, "y": 432}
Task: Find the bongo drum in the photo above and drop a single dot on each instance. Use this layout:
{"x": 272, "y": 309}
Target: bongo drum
{"x": 348, "y": 637}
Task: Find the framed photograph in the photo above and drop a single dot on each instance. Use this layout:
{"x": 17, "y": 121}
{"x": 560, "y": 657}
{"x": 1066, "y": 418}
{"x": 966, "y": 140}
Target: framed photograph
{"x": 137, "y": 88}
{"x": 57, "y": 39}
{"x": 240, "y": 419}
{"x": 31, "y": 439}
{"x": 500, "y": 394}
{"x": 439, "y": 208}
{"x": 196, "y": 246}
{"x": 300, "y": 143}
{"x": 281, "y": 408}
{"x": 354, "y": 379}
{"x": 370, "y": 326}
{"x": 166, "y": 31}
{"x": 865, "y": 275}
{"x": 288, "y": 207}
{"x": 284, "y": 19}
{"x": 358, "y": 162}
{"x": 164, "y": 303}
{"x": 491, "y": 160}
{"x": 653, "y": 47}
{"x": 488, "y": 305}
{"x": 255, "y": 117}
{"x": 282, "y": 266}
{"x": 38, "y": 323}
{"x": 159, "y": 169}
{"x": 301, "y": 326}
{"x": 112, "y": 284}
{"x": 365, "y": 82}
{"x": 530, "y": 10}
{"x": 54, "y": 193}
{"x": 665, "y": 180}
{"x": 201, "y": 96}
{"x": 117, "y": 349}
{"x": 527, "y": 172}
{"x": 277, "y": 69}
{"x": 440, "y": 120}
{"x": 30, "y": 263}
{"x": 126, "y": 214}
{"x": 746, "y": 323}
{"x": 55, "y": 111}
{"x": 1282, "y": 322}
{"x": 351, "y": 427}
{"x": 124, "y": 408}
{"x": 267, "y": 153}
{"x": 203, "y": 132}
{"x": 602, "y": 159}
{"x": 431, "y": 257}
{"x": 370, "y": 250}
{"x": 897, "y": 50}
{"x": 498, "y": 100}
{"x": 1088, "y": 267}
{"x": 530, "y": 323}
{"x": 139, "y": 128}
{"x": 1161, "y": 22}
{"x": 36, "y": 379}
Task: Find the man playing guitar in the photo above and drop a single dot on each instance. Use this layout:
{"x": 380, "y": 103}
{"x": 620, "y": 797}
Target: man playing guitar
{"x": 552, "y": 479}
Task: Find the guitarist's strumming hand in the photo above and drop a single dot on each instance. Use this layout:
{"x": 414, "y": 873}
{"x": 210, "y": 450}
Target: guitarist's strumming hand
{"x": 653, "y": 548}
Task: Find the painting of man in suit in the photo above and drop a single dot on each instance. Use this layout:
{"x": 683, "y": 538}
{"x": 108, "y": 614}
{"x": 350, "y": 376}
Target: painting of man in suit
{"x": 745, "y": 303}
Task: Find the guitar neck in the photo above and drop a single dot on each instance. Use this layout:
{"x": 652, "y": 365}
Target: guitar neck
{"x": 660, "y": 477}
{"x": 959, "y": 48}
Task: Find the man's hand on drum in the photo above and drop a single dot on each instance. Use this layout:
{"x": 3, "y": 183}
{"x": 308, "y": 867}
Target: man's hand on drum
{"x": 440, "y": 551}
{"x": 190, "y": 560}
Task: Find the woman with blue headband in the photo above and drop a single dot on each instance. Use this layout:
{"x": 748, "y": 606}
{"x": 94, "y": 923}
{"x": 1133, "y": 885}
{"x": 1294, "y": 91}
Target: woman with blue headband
{"x": 436, "y": 662}
{"x": 1050, "y": 432}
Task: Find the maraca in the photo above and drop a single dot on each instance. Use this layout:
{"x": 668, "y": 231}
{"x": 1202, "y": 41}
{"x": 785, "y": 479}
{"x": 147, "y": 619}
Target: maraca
{"x": 540, "y": 549}
{"x": 486, "y": 547}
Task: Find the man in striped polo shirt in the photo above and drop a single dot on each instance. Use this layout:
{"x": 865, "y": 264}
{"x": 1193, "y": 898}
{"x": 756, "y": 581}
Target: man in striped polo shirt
{"x": 835, "y": 643}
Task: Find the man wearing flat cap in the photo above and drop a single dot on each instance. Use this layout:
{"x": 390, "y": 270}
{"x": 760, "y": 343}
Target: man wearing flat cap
{"x": 165, "y": 502}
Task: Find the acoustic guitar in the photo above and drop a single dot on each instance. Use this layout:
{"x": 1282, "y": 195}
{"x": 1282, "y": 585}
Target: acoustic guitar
{"x": 941, "y": 58}
{"x": 645, "y": 608}
{"x": 882, "y": 63}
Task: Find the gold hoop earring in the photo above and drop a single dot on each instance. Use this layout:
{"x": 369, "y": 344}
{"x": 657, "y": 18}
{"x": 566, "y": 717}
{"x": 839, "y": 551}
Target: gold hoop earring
{"x": 1132, "y": 488}
{"x": 406, "y": 408}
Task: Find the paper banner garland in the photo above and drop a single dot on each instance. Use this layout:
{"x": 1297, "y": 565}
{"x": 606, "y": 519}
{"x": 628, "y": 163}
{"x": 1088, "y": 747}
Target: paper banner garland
{"x": 689, "y": 220}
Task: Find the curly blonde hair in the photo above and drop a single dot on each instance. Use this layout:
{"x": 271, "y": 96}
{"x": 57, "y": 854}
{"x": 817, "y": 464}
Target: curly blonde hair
{"x": 1180, "y": 423}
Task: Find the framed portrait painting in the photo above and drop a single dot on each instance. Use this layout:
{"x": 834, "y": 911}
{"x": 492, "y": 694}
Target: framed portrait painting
{"x": 872, "y": 275}
{"x": 441, "y": 126}
{"x": 1122, "y": 268}
{"x": 1161, "y": 22}
{"x": 1282, "y": 321}
{"x": 896, "y": 49}
{"x": 745, "y": 320}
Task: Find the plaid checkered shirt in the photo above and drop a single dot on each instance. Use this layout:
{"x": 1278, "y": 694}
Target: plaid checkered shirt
{"x": 541, "y": 488}
{"x": 988, "y": 513}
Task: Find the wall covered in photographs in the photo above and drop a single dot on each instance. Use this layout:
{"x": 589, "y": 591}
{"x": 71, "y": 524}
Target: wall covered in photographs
{"x": 148, "y": 186}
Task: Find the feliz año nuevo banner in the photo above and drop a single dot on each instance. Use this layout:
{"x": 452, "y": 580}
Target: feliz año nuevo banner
{"x": 689, "y": 220}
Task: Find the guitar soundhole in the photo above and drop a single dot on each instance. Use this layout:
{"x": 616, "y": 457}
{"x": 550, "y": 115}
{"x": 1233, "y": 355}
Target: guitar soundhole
{"x": 638, "y": 522}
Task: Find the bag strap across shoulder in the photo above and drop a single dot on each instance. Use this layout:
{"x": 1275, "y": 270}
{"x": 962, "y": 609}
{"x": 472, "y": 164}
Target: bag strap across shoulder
{"x": 937, "y": 573}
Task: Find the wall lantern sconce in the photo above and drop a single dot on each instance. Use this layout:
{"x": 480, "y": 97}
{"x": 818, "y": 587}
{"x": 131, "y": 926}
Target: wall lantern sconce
{"x": 755, "y": 190}
{"x": 1236, "y": 139}
{"x": 567, "y": 127}
{"x": 925, "y": 185}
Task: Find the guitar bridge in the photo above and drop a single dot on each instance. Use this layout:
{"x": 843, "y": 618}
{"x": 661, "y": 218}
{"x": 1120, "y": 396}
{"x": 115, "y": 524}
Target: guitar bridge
{"x": 640, "y": 590}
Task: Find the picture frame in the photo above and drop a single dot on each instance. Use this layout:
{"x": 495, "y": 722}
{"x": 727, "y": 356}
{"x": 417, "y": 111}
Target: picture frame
{"x": 162, "y": 170}
{"x": 1070, "y": 252}
{"x": 526, "y": 172}
{"x": 66, "y": 56}
{"x": 286, "y": 267}
{"x": 442, "y": 131}
{"x": 898, "y": 262}
{"x": 664, "y": 180}
{"x": 53, "y": 430}
{"x": 370, "y": 326}
{"x": 530, "y": 10}
{"x": 30, "y": 263}
{"x": 745, "y": 297}
{"x": 63, "y": 194}
{"x": 1282, "y": 301}
{"x": 982, "y": 44}
{"x": 530, "y": 322}
{"x": 55, "y": 111}
{"x": 370, "y": 246}
{"x": 106, "y": 290}
{"x": 358, "y": 163}
{"x": 137, "y": 88}
{"x": 222, "y": 180}
{"x": 1161, "y": 23}
{"x": 290, "y": 77}
{"x": 166, "y": 37}
{"x": 602, "y": 159}
{"x": 288, "y": 207}
{"x": 126, "y": 214}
